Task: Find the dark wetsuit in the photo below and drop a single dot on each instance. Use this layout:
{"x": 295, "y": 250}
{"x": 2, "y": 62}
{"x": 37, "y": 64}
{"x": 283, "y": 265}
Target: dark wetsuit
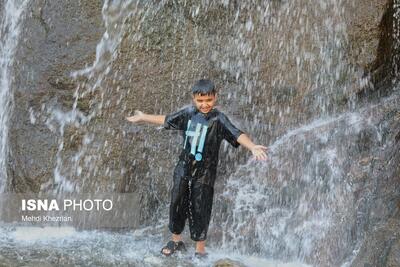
{"x": 195, "y": 173}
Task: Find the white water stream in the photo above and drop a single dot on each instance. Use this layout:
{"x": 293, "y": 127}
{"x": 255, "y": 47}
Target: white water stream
{"x": 289, "y": 209}
{"x": 11, "y": 19}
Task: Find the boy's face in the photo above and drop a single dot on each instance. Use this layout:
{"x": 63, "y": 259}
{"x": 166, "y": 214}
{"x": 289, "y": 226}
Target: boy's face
{"x": 204, "y": 103}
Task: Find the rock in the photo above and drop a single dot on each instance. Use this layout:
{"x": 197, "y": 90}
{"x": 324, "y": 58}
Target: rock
{"x": 277, "y": 67}
{"x": 33, "y": 263}
{"x": 58, "y": 37}
{"x": 393, "y": 258}
{"x": 381, "y": 247}
{"x": 5, "y": 262}
{"x": 365, "y": 161}
{"x": 365, "y": 31}
{"x": 228, "y": 263}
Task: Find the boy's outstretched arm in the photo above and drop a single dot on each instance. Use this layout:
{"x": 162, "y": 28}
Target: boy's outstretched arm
{"x": 141, "y": 117}
{"x": 258, "y": 151}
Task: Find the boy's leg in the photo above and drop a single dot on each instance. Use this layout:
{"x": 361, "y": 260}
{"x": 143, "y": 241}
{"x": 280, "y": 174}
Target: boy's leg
{"x": 176, "y": 238}
{"x": 200, "y": 213}
{"x": 178, "y": 207}
{"x": 201, "y": 247}
{"x": 178, "y": 211}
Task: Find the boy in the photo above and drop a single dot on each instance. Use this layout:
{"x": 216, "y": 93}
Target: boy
{"x": 192, "y": 194}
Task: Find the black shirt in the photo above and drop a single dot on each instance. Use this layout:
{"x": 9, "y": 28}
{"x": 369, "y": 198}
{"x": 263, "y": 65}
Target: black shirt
{"x": 202, "y": 134}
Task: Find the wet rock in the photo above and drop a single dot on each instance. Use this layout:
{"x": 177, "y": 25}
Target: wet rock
{"x": 59, "y": 38}
{"x": 272, "y": 90}
{"x": 365, "y": 30}
{"x": 381, "y": 247}
{"x": 33, "y": 263}
{"x": 4, "y": 262}
{"x": 365, "y": 161}
{"x": 228, "y": 263}
{"x": 393, "y": 258}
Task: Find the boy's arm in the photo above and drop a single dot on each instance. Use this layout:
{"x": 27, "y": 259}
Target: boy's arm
{"x": 141, "y": 117}
{"x": 258, "y": 151}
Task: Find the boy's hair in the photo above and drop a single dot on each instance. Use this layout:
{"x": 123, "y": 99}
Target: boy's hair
{"x": 204, "y": 87}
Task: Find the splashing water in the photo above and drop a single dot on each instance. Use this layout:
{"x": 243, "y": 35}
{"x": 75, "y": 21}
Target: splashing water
{"x": 303, "y": 198}
{"x": 9, "y": 36}
{"x": 95, "y": 127}
{"x": 66, "y": 246}
{"x": 299, "y": 206}
{"x": 114, "y": 15}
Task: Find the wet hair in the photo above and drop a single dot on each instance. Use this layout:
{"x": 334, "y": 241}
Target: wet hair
{"x": 204, "y": 87}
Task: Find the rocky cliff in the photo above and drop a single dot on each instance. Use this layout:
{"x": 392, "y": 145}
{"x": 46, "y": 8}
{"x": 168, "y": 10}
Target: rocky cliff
{"x": 81, "y": 67}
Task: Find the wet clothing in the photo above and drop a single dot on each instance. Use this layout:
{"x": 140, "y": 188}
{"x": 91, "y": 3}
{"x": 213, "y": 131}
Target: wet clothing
{"x": 203, "y": 134}
{"x": 193, "y": 201}
{"x": 195, "y": 173}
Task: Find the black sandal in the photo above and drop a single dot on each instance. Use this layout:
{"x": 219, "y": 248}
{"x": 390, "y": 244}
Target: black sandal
{"x": 172, "y": 247}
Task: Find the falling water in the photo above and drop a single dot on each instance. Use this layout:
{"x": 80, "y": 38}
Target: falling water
{"x": 283, "y": 69}
{"x": 304, "y": 198}
{"x": 316, "y": 73}
{"x": 9, "y": 37}
{"x": 95, "y": 128}
{"x": 114, "y": 15}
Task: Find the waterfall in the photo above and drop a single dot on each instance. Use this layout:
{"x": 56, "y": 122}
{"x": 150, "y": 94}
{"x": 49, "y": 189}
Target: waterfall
{"x": 114, "y": 15}
{"x": 305, "y": 197}
{"x": 9, "y": 37}
{"x": 285, "y": 76}
{"x": 95, "y": 85}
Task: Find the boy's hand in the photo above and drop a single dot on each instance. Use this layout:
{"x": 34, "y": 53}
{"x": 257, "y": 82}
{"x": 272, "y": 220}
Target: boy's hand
{"x": 259, "y": 152}
{"x": 138, "y": 117}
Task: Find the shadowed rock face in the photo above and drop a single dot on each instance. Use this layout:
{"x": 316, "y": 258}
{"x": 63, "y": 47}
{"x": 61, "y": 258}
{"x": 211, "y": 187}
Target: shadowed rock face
{"x": 58, "y": 37}
{"x": 278, "y": 66}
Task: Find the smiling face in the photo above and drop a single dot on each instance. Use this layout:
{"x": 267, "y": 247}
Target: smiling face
{"x": 204, "y": 103}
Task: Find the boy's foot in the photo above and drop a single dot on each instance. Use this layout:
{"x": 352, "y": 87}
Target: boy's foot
{"x": 201, "y": 255}
{"x": 172, "y": 247}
